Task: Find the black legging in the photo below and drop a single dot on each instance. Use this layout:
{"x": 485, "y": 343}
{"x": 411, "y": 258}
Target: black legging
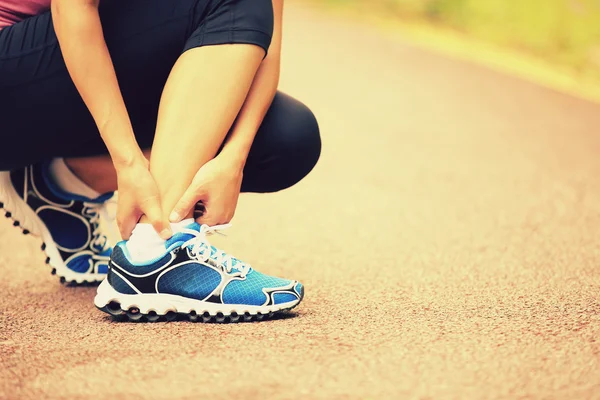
{"x": 42, "y": 115}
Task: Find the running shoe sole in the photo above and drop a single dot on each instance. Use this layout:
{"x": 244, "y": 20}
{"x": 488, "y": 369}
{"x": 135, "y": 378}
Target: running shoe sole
{"x": 156, "y": 307}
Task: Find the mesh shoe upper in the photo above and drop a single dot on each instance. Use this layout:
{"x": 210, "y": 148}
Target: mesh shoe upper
{"x": 73, "y": 221}
{"x": 256, "y": 288}
{"x": 207, "y": 277}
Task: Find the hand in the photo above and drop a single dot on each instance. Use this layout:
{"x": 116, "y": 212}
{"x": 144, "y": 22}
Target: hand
{"x": 217, "y": 187}
{"x": 138, "y": 195}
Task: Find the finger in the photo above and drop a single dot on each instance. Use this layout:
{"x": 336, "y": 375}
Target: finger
{"x": 127, "y": 222}
{"x": 159, "y": 222}
{"x": 227, "y": 218}
{"x": 185, "y": 205}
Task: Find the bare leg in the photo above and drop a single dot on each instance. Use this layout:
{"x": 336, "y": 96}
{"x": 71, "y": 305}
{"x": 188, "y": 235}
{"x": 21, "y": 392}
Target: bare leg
{"x": 97, "y": 172}
{"x": 204, "y": 93}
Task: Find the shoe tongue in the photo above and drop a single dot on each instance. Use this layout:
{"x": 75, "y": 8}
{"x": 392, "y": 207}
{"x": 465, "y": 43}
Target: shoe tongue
{"x": 193, "y": 226}
{"x": 196, "y": 227}
{"x": 180, "y": 238}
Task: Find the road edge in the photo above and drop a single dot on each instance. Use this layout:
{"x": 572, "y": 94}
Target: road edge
{"x": 460, "y": 46}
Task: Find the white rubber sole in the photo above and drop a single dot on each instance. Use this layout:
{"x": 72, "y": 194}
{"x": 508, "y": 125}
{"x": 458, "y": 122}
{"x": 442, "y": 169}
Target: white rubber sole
{"x": 151, "y": 307}
{"x": 23, "y": 216}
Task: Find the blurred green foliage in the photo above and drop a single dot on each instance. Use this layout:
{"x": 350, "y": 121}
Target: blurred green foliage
{"x": 566, "y": 32}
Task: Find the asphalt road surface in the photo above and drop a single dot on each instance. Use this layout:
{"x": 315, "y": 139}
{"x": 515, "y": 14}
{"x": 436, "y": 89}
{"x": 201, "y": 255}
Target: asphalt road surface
{"x": 448, "y": 242}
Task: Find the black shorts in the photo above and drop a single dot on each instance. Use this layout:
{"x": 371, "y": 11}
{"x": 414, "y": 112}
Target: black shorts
{"x": 231, "y": 21}
{"x": 41, "y": 112}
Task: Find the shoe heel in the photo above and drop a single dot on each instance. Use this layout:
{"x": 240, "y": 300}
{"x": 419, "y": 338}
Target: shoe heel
{"x": 24, "y": 217}
{"x": 16, "y": 208}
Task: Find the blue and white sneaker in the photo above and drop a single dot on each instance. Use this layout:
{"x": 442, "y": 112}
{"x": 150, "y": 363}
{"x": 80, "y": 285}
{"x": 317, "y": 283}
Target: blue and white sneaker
{"x": 193, "y": 279}
{"x": 77, "y": 248}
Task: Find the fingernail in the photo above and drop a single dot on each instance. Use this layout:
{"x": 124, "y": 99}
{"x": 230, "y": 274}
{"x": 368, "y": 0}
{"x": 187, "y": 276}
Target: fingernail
{"x": 174, "y": 217}
{"x": 166, "y": 234}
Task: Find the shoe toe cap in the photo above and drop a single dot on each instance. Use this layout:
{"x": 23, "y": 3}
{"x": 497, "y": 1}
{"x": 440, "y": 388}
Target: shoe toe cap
{"x": 289, "y": 295}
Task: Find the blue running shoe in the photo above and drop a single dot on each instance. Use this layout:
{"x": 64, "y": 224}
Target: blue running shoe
{"x": 195, "y": 279}
{"x": 77, "y": 248}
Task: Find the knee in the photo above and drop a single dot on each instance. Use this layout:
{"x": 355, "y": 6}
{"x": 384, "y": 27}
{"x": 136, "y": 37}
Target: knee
{"x": 286, "y": 149}
{"x": 306, "y": 142}
{"x": 300, "y": 146}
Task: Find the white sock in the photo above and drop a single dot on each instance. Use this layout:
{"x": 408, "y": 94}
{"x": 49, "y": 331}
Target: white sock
{"x": 145, "y": 244}
{"x": 65, "y": 179}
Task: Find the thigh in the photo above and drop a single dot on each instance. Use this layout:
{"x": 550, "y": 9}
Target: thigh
{"x": 41, "y": 112}
{"x": 286, "y": 148}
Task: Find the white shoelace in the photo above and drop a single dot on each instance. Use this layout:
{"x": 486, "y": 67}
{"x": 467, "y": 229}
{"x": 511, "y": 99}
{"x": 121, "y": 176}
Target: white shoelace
{"x": 203, "y": 250}
{"x": 92, "y": 210}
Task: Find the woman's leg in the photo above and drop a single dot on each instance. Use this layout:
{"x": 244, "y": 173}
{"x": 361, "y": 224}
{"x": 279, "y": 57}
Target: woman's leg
{"x": 98, "y": 172}
{"x": 201, "y": 109}
{"x": 286, "y": 148}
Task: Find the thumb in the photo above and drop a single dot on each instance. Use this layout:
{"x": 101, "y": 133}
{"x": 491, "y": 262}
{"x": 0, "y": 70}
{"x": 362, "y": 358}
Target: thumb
{"x": 185, "y": 205}
{"x": 160, "y": 223}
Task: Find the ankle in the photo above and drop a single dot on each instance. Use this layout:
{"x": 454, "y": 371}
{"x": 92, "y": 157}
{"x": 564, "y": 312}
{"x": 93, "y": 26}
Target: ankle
{"x": 97, "y": 173}
{"x": 67, "y": 181}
